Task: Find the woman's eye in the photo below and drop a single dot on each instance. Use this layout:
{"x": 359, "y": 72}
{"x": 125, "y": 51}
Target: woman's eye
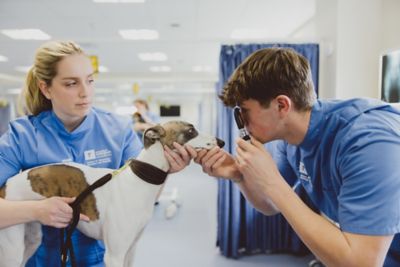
{"x": 71, "y": 84}
{"x": 91, "y": 81}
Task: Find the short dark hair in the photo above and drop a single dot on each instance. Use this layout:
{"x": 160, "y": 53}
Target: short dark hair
{"x": 270, "y": 72}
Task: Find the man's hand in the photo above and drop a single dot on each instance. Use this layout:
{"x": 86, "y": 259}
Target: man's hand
{"x": 256, "y": 164}
{"x": 178, "y": 159}
{"x": 216, "y": 162}
{"x": 56, "y": 212}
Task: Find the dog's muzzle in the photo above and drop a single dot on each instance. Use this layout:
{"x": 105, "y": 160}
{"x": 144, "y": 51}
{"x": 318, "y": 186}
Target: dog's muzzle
{"x": 220, "y": 143}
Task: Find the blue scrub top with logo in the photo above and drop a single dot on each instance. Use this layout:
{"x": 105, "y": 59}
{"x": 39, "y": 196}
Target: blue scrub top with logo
{"x": 349, "y": 165}
{"x": 103, "y": 140}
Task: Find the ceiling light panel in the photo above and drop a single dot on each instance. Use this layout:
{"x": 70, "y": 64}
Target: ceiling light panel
{"x": 3, "y": 58}
{"x": 160, "y": 69}
{"x": 139, "y": 34}
{"x": 103, "y": 69}
{"x": 26, "y": 34}
{"x": 24, "y": 69}
{"x": 156, "y": 56}
{"x": 201, "y": 68}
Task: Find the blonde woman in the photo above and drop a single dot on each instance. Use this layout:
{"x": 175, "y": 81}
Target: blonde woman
{"x": 63, "y": 126}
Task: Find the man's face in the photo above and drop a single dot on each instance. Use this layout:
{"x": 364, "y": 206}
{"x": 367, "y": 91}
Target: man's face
{"x": 259, "y": 121}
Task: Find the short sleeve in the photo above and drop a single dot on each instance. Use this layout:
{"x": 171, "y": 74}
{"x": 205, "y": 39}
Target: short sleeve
{"x": 278, "y": 150}
{"x": 369, "y": 198}
{"x": 10, "y": 154}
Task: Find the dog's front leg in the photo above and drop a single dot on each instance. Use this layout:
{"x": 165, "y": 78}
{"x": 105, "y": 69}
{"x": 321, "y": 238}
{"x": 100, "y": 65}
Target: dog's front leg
{"x": 130, "y": 255}
{"x": 33, "y": 237}
{"x": 117, "y": 241}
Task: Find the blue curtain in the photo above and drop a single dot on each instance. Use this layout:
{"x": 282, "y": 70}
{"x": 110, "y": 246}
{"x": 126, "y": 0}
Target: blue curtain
{"x": 241, "y": 229}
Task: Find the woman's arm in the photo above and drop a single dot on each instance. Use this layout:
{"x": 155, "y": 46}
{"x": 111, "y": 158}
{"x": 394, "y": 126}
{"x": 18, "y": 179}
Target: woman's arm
{"x": 53, "y": 211}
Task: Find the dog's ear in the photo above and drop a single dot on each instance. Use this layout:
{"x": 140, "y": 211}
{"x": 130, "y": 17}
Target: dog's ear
{"x": 153, "y": 134}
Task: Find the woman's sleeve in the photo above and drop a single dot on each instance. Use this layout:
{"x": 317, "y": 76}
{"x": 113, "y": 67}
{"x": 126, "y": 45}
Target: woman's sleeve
{"x": 10, "y": 154}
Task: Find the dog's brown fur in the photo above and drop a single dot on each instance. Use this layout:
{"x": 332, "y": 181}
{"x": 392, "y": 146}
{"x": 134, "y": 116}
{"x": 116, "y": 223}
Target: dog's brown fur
{"x": 63, "y": 181}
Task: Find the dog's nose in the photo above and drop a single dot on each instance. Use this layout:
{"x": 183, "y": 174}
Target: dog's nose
{"x": 220, "y": 142}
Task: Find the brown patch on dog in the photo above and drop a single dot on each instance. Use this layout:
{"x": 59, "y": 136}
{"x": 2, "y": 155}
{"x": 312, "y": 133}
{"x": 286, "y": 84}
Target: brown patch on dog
{"x": 63, "y": 181}
{"x": 152, "y": 134}
{"x": 3, "y": 191}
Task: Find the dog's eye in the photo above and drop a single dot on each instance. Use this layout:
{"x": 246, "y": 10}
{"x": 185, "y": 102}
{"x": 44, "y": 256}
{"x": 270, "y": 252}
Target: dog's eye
{"x": 191, "y": 132}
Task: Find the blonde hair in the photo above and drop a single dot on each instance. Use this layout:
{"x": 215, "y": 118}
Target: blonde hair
{"x": 45, "y": 69}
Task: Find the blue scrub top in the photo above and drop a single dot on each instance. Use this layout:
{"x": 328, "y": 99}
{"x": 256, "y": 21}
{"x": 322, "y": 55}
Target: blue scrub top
{"x": 102, "y": 140}
{"x": 348, "y": 164}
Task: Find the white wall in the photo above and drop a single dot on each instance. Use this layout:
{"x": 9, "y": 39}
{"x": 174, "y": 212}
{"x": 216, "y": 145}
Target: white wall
{"x": 198, "y": 109}
{"x": 325, "y": 20}
{"x": 353, "y": 34}
{"x": 390, "y": 25}
{"x": 359, "y": 38}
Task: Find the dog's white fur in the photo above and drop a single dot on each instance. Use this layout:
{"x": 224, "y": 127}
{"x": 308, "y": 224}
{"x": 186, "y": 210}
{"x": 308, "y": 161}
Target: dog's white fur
{"x": 125, "y": 205}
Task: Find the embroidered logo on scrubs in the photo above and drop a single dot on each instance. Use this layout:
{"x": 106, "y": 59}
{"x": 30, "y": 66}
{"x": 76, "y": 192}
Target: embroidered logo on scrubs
{"x": 90, "y": 154}
{"x": 303, "y": 172}
{"x": 95, "y": 157}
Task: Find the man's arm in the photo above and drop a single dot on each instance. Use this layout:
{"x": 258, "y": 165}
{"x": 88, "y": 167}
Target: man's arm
{"x": 332, "y": 246}
{"x": 259, "y": 202}
{"x": 324, "y": 239}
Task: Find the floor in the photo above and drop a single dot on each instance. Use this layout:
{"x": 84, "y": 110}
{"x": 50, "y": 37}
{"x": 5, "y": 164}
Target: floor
{"x": 188, "y": 239}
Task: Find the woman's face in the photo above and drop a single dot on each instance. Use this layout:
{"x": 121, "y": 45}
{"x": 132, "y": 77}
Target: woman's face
{"x": 71, "y": 90}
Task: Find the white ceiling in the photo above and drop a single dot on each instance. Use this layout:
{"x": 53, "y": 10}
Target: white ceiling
{"x": 203, "y": 25}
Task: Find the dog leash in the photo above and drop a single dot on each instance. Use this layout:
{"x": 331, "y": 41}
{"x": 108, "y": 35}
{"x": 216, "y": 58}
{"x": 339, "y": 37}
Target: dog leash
{"x": 144, "y": 171}
{"x": 66, "y": 233}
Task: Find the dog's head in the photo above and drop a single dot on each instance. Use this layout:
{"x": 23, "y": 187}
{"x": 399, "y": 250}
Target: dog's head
{"x": 180, "y": 132}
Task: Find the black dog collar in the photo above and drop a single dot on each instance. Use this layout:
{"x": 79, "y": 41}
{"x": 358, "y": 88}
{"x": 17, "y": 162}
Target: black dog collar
{"x": 148, "y": 172}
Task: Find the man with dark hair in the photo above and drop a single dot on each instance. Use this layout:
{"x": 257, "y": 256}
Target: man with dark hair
{"x": 344, "y": 153}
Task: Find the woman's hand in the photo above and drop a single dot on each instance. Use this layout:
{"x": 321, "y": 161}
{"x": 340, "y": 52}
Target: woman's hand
{"x": 178, "y": 159}
{"x": 56, "y": 212}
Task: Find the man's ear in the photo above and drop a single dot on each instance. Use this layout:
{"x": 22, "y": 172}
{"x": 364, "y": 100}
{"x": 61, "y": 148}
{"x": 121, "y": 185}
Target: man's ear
{"x": 284, "y": 104}
{"x": 152, "y": 134}
{"x": 44, "y": 88}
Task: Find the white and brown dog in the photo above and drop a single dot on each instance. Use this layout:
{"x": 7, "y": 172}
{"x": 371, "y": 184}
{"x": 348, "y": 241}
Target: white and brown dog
{"x": 118, "y": 211}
